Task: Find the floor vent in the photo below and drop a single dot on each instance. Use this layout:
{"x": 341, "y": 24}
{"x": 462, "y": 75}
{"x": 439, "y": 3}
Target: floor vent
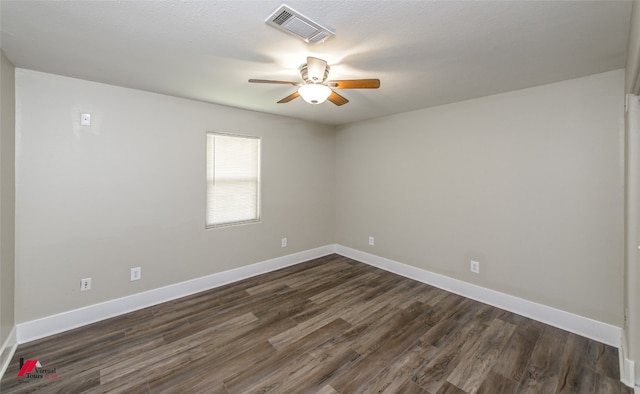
{"x": 293, "y": 22}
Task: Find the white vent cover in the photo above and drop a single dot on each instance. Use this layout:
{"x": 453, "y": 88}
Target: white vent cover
{"x": 293, "y": 22}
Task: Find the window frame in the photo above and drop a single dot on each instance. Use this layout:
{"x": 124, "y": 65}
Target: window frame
{"x": 258, "y": 195}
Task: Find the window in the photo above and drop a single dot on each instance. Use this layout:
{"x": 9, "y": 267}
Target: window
{"x": 233, "y": 179}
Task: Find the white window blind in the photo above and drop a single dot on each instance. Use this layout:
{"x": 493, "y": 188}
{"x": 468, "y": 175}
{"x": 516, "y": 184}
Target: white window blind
{"x": 233, "y": 179}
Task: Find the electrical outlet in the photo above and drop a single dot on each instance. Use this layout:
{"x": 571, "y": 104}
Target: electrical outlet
{"x": 475, "y": 267}
{"x": 136, "y": 273}
{"x": 371, "y": 241}
{"x": 283, "y": 243}
{"x": 85, "y": 284}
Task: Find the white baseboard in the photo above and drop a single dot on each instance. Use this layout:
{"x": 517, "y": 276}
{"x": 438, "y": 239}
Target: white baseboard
{"x": 599, "y": 331}
{"x": 7, "y": 351}
{"x": 627, "y": 366}
{"x": 65, "y": 321}
{"x": 596, "y": 330}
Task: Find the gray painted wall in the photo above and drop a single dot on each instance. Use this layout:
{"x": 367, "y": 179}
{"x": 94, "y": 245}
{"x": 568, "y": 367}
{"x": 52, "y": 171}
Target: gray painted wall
{"x": 129, "y": 190}
{"x": 7, "y": 196}
{"x": 529, "y": 183}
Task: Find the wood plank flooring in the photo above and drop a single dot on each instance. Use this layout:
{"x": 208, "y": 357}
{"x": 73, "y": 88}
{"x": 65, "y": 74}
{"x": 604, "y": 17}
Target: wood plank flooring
{"x": 330, "y": 325}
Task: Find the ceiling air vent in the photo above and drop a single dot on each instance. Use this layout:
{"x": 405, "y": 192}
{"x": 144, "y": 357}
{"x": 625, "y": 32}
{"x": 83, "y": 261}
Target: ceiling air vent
{"x": 293, "y": 22}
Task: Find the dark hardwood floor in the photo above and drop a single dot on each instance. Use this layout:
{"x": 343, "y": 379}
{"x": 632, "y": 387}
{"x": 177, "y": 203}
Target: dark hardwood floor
{"x": 325, "y": 326}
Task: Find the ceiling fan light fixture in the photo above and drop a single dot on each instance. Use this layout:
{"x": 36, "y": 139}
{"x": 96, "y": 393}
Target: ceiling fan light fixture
{"x": 315, "y": 89}
{"x": 314, "y": 93}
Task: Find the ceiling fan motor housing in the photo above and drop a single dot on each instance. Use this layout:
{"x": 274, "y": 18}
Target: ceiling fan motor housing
{"x": 304, "y": 73}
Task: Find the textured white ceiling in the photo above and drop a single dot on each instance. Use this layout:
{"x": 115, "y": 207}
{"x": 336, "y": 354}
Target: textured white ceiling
{"x": 425, "y": 53}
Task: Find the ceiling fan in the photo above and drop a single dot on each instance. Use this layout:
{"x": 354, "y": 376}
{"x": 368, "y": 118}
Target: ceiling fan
{"x": 315, "y": 89}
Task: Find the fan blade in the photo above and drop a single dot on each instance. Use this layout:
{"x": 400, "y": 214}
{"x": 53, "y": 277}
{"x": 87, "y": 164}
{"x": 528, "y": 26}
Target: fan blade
{"x": 276, "y": 82}
{"x": 354, "y": 84}
{"x": 315, "y": 69}
{"x": 289, "y": 98}
{"x": 337, "y": 99}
